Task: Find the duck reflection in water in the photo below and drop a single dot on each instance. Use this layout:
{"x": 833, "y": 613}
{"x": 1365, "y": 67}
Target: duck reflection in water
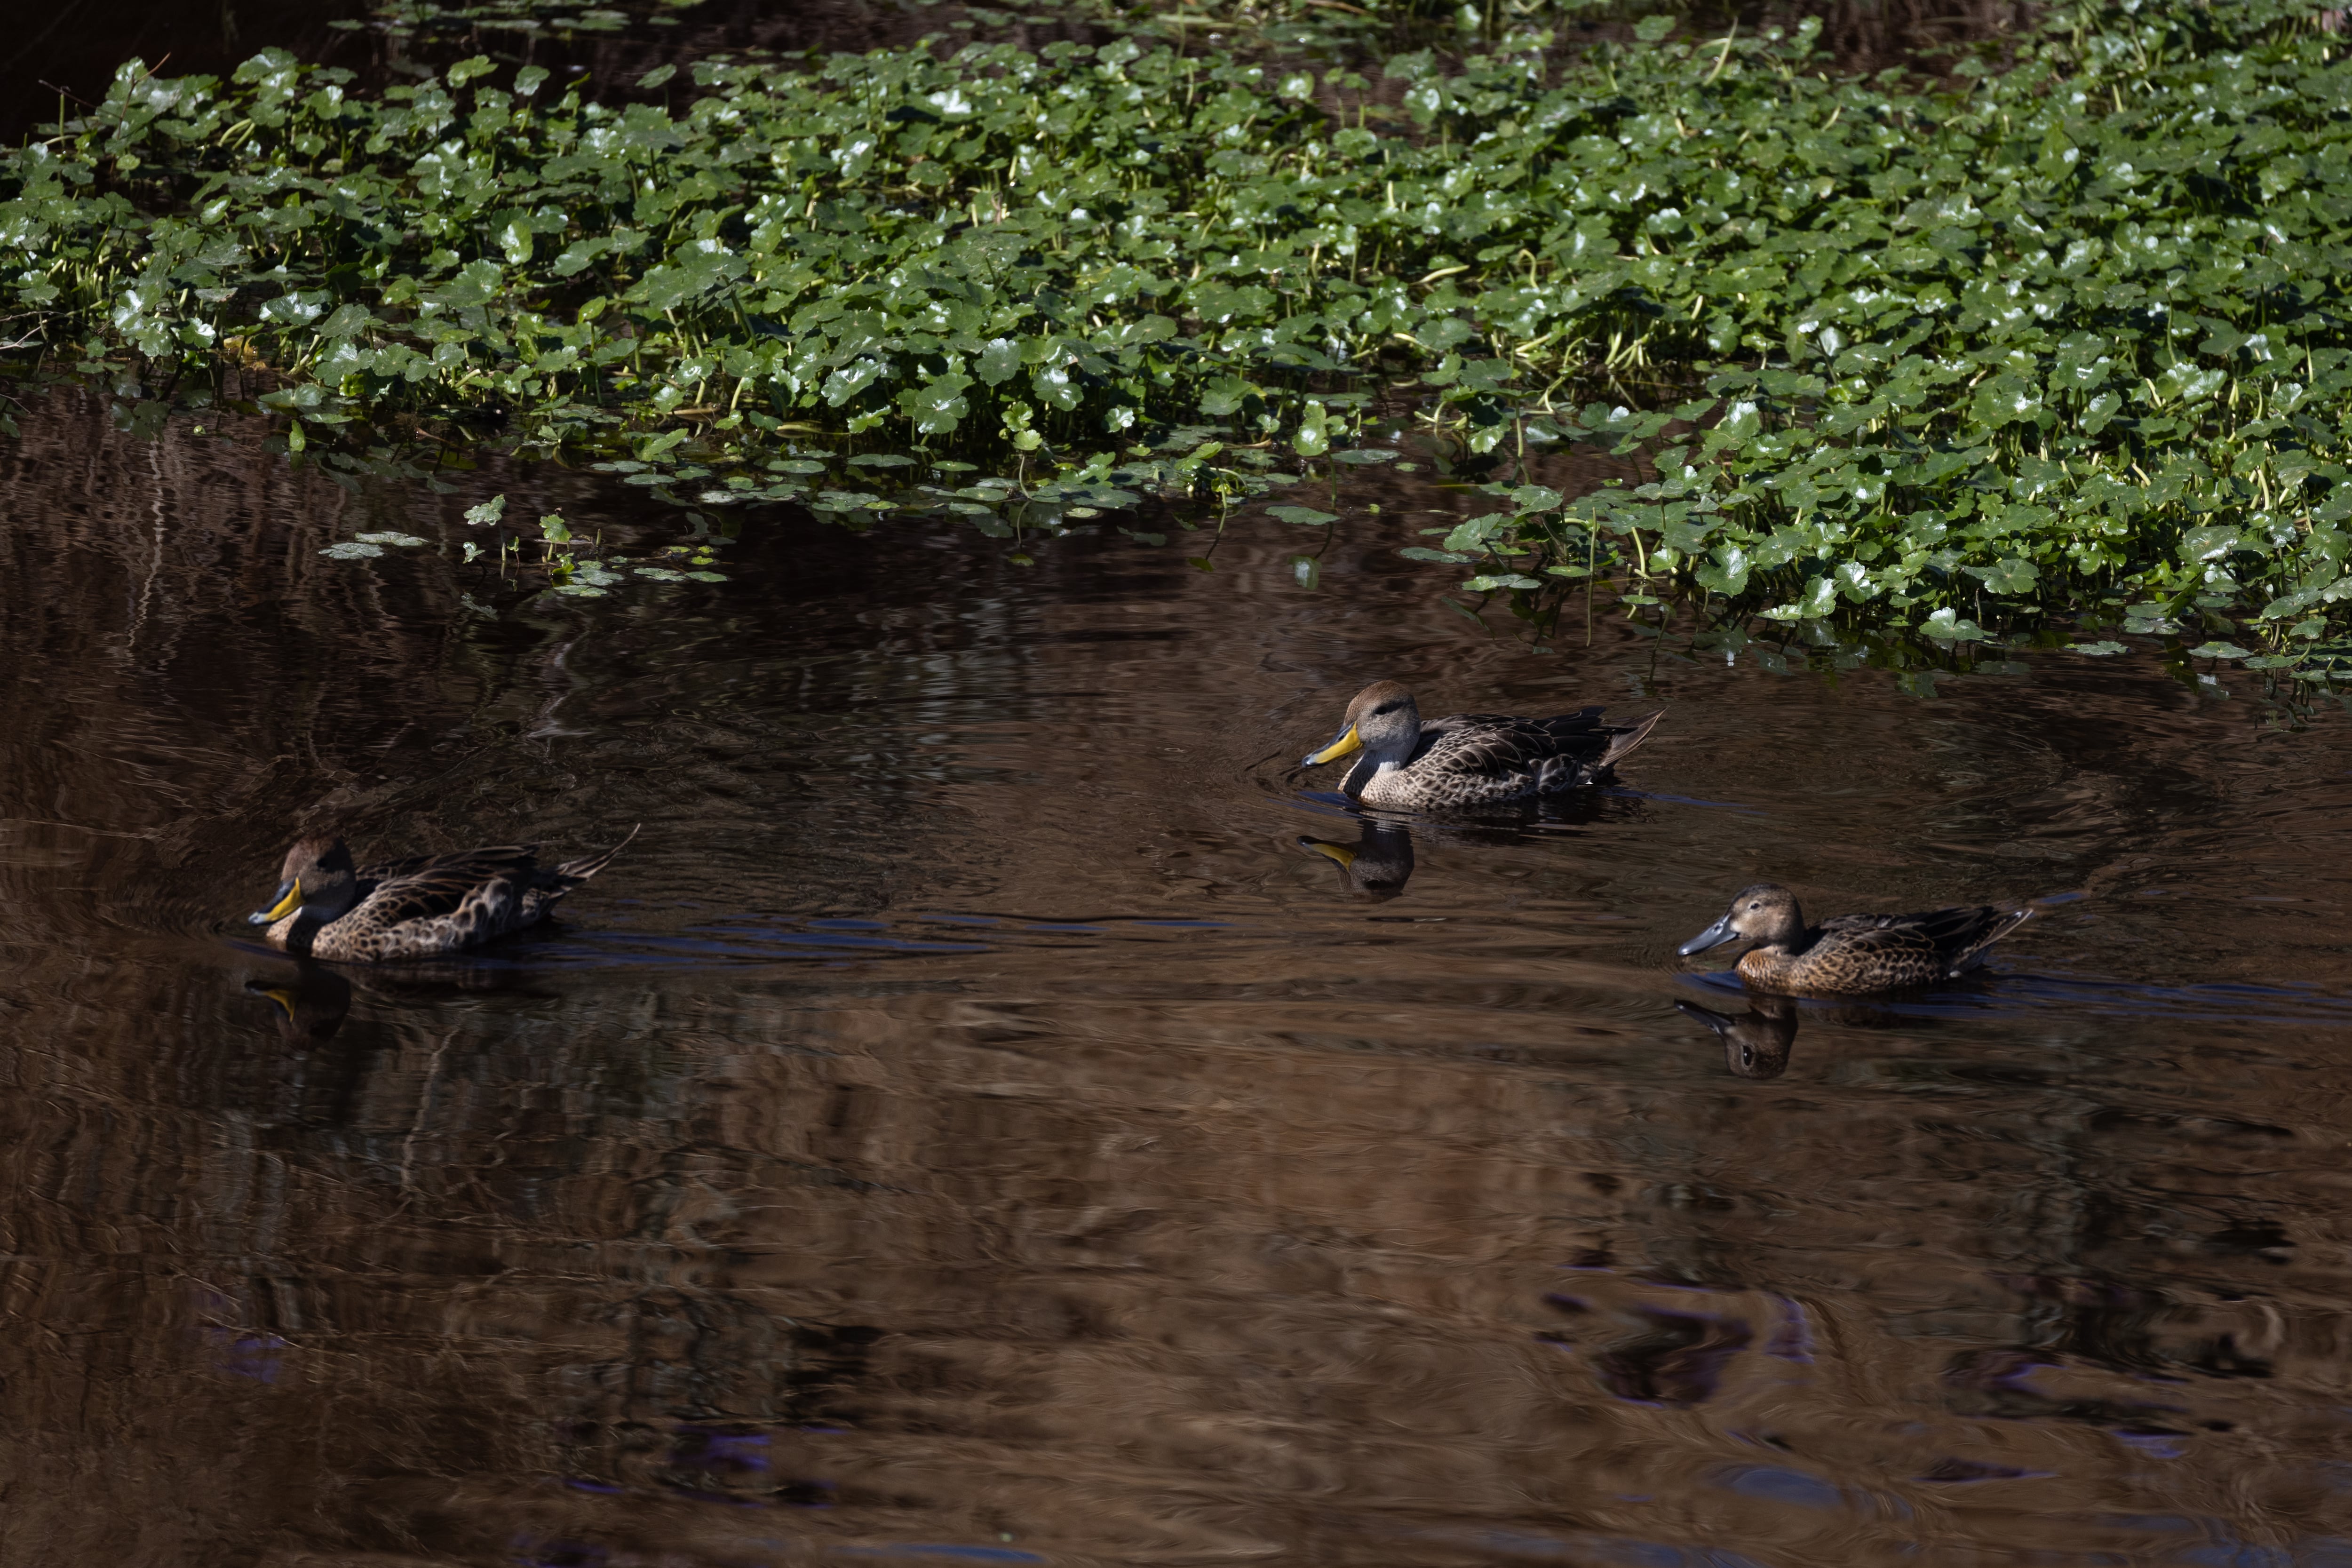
{"x": 1376, "y": 867}
{"x": 1756, "y": 1044}
{"x": 310, "y": 1006}
{"x": 312, "y": 1003}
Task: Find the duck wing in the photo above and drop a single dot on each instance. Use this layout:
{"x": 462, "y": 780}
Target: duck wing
{"x": 1495, "y": 744}
{"x": 1986, "y": 926}
{"x": 426, "y": 887}
{"x": 586, "y": 866}
{"x": 547, "y": 886}
{"x": 1947, "y": 940}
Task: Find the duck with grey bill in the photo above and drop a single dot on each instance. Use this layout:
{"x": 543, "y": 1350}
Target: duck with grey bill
{"x": 1851, "y": 955}
{"x": 1470, "y": 759}
{"x": 328, "y": 907}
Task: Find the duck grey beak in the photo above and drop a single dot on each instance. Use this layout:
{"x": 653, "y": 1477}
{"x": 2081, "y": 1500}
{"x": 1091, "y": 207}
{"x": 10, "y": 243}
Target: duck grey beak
{"x": 1715, "y": 935}
{"x": 1341, "y": 745}
{"x": 289, "y": 898}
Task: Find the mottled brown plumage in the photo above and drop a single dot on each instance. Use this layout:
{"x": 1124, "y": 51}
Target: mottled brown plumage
{"x": 1470, "y": 759}
{"x": 416, "y": 908}
{"x": 1851, "y": 955}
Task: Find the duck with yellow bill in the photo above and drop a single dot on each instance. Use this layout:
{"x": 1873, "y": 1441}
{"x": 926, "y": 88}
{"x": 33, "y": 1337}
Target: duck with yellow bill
{"x": 1470, "y": 759}
{"x": 328, "y": 907}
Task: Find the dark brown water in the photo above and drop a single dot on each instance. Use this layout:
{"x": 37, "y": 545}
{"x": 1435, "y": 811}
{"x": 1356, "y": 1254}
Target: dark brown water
{"x": 966, "y": 1126}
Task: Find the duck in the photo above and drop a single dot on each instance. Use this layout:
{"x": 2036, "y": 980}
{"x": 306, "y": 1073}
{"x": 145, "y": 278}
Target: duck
{"x": 327, "y": 907}
{"x": 1470, "y": 759}
{"x": 1851, "y": 955}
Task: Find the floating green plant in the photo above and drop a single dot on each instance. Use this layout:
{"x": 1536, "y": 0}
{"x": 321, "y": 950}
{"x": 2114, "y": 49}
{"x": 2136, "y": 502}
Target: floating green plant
{"x": 2074, "y": 339}
{"x": 2070, "y": 338}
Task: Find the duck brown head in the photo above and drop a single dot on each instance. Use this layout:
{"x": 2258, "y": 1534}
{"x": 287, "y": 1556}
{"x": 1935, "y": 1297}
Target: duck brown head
{"x": 1765, "y": 914}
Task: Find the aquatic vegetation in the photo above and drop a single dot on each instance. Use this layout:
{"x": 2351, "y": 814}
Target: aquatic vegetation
{"x": 2070, "y": 338}
{"x": 2073, "y": 342}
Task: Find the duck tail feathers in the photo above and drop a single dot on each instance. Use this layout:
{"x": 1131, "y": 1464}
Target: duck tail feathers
{"x": 1624, "y": 741}
{"x": 587, "y": 866}
{"x": 1997, "y": 923}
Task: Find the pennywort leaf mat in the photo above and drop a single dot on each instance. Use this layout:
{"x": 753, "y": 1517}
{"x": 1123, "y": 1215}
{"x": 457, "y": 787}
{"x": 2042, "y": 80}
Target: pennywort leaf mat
{"x": 2070, "y": 336}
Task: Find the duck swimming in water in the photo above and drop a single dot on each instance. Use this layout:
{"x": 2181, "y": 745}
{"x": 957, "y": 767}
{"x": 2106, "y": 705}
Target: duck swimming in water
{"x": 1470, "y": 759}
{"x": 328, "y": 908}
{"x": 1851, "y": 955}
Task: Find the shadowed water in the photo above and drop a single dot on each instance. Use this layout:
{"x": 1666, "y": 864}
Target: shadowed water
{"x": 65, "y": 57}
{"x": 969, "y": 1125}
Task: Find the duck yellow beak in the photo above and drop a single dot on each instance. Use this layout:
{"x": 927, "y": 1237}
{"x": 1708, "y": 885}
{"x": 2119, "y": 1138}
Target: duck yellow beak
{"x": 284, "y": 997}
{"x": 1342, "y": 854}
{"x": 290, "y": 898}
{"x": 1340, "y": 747}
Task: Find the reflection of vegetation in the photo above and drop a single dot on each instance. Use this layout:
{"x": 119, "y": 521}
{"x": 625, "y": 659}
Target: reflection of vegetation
{"x": 507, "y": 20}
{"x": 2071, "y": 337}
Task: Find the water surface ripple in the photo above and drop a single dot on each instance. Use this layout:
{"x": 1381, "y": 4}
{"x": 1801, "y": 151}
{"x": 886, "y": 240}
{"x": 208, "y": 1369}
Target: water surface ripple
{"x": 969, "y": 1125}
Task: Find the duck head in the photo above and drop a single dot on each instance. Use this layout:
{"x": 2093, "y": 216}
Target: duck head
{"x": 318, "y": 882}
{"x": 1382, "y": 721}
{"x": 1764, "y": 914}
